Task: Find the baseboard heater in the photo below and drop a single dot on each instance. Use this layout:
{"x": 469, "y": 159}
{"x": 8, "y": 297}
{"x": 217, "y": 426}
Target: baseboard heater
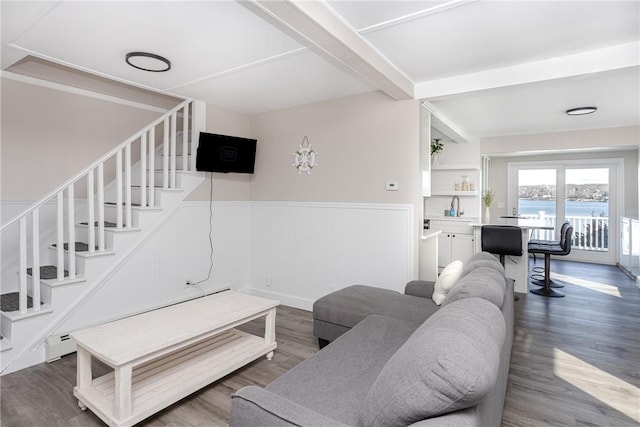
{"x": 57, "y": 346}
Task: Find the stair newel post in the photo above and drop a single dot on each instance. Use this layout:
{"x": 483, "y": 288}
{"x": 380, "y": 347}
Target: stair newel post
{"x": 101, "y": 237}
{"x": 91, "y": 211}
{"x": 71, "y": 224}
{"x": 35, "y": 270}
{"x": 165, "y": 154}
{"x": 22, "y": 295}
{"x": 152, "y": 165}
{"x": 60, "y": 237}
{"x": 185, "y": 137}
{"x": 127, "y": 184}
{"x": 143, "y": 169}
{"x": 119, "y": 189}
{"x": 172, "y": 156}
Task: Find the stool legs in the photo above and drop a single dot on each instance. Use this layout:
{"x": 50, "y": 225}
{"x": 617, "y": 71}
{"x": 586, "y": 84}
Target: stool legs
{"x": 546, "y": 290}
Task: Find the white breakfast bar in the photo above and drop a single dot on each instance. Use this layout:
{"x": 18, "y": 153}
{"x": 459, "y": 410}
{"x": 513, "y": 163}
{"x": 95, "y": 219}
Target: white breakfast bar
{"x": 163, "y": 355}
{"x": 519, "y": 269}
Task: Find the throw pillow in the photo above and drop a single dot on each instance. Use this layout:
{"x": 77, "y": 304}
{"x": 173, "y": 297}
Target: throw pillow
{"x": 445, "y": 281}
{"x": 450, "y": 362}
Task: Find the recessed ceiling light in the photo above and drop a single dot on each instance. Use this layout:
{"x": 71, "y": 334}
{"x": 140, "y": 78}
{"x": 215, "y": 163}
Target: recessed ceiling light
{"x": 581, "y": 111}
{"x": 148, "y": 62}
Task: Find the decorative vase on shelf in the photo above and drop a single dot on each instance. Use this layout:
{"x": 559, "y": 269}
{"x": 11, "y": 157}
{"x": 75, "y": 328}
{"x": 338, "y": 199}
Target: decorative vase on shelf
{"x": 487, "y": 215}
{"x": 434, "y": 160}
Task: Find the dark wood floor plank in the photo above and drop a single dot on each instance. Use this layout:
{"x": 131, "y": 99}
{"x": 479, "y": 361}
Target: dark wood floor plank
{"x": 575, "y": 362}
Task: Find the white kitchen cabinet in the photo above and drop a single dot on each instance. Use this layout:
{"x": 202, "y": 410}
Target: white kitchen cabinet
{"x": 452, "y": 246}
{"x": 456, "y": 240}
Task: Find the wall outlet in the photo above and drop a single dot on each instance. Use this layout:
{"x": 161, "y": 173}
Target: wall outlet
{"x": 392, "y": 186}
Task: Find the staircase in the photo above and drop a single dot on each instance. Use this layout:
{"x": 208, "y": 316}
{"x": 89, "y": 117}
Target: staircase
{"x": 48, "y": 272}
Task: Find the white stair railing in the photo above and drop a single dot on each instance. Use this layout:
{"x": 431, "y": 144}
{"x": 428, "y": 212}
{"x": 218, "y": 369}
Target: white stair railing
{"x": 94, "y": 176}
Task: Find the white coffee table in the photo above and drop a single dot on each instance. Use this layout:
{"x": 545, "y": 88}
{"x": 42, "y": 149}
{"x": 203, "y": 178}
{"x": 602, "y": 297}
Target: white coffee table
{"x": 161, "y": 356}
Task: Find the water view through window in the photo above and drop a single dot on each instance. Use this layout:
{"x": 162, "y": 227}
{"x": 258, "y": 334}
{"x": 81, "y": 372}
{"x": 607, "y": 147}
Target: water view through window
{"x": 586, "y": 201}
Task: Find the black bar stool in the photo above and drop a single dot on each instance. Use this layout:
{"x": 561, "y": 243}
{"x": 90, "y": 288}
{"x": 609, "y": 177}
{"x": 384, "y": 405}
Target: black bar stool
{"x": 537, "y": 277}
{"x": 564, "y": 248}
{"x": 502, "y": 240}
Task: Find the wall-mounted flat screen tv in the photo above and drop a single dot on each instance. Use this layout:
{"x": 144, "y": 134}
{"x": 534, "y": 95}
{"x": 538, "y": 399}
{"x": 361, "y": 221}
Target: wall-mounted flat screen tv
{"x": 224, "y": 153}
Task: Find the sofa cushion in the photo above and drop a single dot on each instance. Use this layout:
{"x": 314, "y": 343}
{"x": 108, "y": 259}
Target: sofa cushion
{"x": 449, "y": 363}
{"x": 334, "y": 381}
{"x": 485, "y": 282}
{"x": 348, "y": 306}
{"x": 445, "y": 281}
{"x": 482, "y": 259}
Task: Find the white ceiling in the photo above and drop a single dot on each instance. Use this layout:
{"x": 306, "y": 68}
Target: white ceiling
{"x": 484, "y": 67}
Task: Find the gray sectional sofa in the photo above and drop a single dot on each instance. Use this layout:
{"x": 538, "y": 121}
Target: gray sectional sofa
{"x": 398, "y": 360}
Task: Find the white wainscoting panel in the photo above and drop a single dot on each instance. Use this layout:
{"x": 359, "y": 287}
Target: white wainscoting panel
{"x": 303, "y": 251}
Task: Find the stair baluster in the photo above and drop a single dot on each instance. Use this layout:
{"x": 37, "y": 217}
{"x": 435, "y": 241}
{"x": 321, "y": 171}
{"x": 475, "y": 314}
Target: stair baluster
{"x": 22, "y": 300}
{"x": 172, "y": 157}
{"x": 143, "y": 169}
{"x": 127, "y": 185}
{"x": 35, "y": 272}
{"x": 102, "y": 245}
{"x": 71, "y": 221}
{"x": 165, "y": 154}
{"x": 60, "y": 243}
{"x": 152, "y": 166}
{"x": 91, "y": 231}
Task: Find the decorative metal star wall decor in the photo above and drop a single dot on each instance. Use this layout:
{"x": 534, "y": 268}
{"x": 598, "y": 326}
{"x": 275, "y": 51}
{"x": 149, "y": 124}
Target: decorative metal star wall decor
{"x": 305, "y": 157}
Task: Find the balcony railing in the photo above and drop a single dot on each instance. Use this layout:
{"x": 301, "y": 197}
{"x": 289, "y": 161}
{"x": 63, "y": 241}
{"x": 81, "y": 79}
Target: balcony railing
{"x": 590, "y": 233}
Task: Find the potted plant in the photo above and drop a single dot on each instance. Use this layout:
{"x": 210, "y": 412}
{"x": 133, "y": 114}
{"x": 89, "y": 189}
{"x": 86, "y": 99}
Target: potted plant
{"x": 487, "y": 199}
{"x": 436, "y": 147}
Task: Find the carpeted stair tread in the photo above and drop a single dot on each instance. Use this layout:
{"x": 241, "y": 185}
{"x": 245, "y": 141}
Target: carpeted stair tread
{"x": 11, "y": 302}
{"x": 80, "y": 247}
{"x": 107, "y": 224}
{"x": 135, "y": 205}
{"x": 47, "y": 272}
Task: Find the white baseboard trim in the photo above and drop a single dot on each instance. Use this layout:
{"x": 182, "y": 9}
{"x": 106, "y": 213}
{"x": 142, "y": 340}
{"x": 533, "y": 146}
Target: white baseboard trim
{"x": 288, "y": 300}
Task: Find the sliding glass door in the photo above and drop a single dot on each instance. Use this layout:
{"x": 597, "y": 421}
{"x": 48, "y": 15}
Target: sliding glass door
{"x": 587, "y": 207}
{"x": 582, "y": 193}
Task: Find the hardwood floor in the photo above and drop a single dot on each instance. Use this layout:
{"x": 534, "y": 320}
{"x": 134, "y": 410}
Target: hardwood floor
{"x": 575, "y": 362}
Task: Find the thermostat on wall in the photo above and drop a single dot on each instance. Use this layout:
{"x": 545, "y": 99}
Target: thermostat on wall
{"x": 392, "y": 185}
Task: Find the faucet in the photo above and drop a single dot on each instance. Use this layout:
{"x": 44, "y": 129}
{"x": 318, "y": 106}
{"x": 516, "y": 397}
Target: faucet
{"x": 453, "y": 199}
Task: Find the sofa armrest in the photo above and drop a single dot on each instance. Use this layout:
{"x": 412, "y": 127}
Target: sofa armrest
{"x": 254, "y": 406}
{"x": 419, "y": 288}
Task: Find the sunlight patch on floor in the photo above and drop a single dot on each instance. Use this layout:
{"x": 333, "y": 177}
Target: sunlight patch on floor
{"x": 588, "y": 284}
{"x": 608, "y": 389}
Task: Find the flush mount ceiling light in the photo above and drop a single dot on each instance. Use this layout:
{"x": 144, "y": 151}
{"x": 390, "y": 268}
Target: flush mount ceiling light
{"x": 581, "y": 111}
{"x": 148, "y": 62}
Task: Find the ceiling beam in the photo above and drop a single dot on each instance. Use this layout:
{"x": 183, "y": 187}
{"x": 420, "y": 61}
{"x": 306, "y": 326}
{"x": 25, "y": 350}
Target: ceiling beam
{"x": 594, "y": 61}
{"x": 320, "y": 25}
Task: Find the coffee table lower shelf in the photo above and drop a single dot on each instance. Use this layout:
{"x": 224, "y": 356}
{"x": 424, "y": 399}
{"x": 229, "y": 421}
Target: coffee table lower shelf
{"x": 163, "y": 381}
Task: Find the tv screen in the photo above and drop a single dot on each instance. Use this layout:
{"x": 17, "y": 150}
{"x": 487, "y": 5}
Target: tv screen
{"x": 224, "y": 153}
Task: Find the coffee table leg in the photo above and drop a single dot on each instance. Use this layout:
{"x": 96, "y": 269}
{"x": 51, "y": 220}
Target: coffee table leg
{"x": 270, "y": 329}
{"x": 84, "y": 377}
{"x": 123, "y": 391}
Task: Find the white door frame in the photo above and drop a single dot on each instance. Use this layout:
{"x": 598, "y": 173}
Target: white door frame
{"x": 616, "y": 198}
